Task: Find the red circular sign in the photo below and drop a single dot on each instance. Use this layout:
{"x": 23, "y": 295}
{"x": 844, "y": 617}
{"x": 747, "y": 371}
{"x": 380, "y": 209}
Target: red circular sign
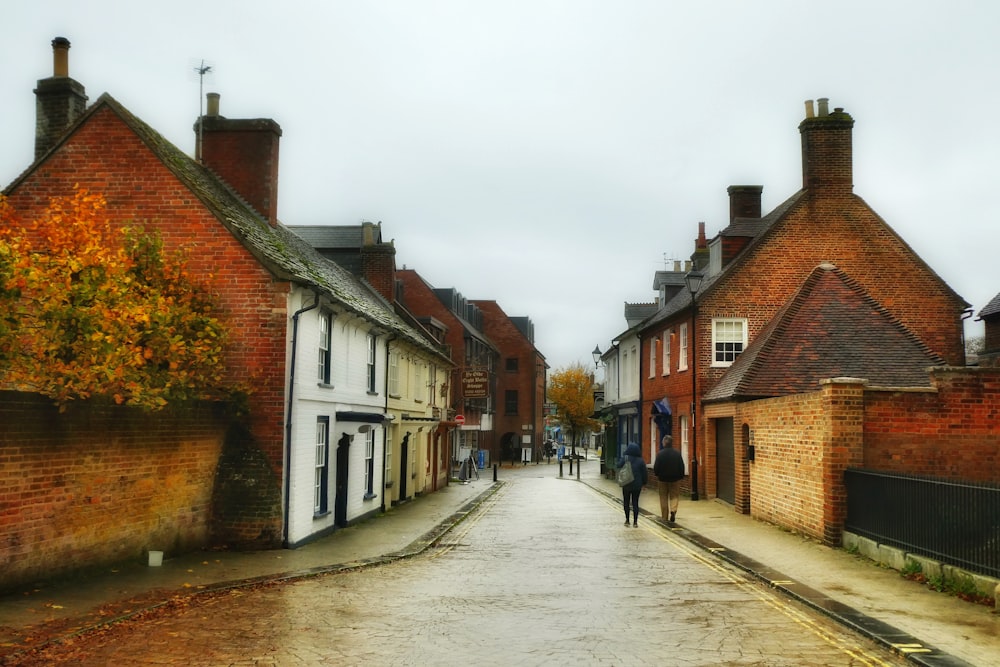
{"x": 459, "y": 419}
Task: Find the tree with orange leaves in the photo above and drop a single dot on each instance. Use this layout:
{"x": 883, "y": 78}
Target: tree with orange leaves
{"x": 571, "y": 390}
{"x": 94, "y": 310}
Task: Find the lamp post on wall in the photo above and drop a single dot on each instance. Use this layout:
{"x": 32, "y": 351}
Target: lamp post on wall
{"x": 693, "y": 281}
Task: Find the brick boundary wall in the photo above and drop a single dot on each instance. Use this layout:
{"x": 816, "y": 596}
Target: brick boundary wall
{"x": 98, "y": 485}
{"x": 803, "y": 443}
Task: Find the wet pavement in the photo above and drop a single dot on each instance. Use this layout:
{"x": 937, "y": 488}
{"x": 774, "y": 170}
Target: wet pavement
{"x": 524, "y": 569}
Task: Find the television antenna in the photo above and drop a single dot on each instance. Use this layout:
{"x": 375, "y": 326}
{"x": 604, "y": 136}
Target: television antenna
{"x": 202, "y": 70}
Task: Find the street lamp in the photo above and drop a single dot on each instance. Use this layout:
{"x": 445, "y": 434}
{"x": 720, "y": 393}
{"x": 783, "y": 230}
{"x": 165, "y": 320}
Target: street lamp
{"x": 693, "y": 281}
{"x": 597, "y": 356}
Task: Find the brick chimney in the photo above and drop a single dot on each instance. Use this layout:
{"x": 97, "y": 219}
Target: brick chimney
{"x": 826, "y": 150}
{"x": 378, "y": 261}
{"x": 59, "y": 100}
{"x": 699, "y": 258}
{"x": 744, "y": 201}
{"x": 244, "y": 153}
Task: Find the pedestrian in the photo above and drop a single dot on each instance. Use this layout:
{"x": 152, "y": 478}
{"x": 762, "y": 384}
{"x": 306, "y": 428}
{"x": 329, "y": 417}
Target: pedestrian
{"x": 669, "y": 470}
{"x": 630, "y": 492}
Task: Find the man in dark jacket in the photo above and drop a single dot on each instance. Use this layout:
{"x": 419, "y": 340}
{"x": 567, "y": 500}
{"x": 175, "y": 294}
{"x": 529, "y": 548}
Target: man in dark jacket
{"x": 669, "y": 470}
{"x": 630, "y": 492}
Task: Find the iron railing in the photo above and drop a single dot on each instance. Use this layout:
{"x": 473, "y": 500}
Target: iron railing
{"x": 957, "y": 523}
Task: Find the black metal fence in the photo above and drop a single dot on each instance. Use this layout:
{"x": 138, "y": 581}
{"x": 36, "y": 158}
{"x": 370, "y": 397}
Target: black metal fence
{"x": 954, "y": 522}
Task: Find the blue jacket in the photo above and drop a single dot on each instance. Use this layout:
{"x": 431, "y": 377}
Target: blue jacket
{"x": 634, "y": 456}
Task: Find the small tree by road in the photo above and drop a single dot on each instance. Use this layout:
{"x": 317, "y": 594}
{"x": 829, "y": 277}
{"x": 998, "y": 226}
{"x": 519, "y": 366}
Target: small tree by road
{"x": 571, "y": 390}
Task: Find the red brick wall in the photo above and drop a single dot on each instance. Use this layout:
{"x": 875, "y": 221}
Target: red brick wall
{"x": 100, "y": 485}
{"x": 953, "y": 432}
{"x": 105, "y": 157}
{"x": 803, "y": 443}
{"x": 786, "y": 478}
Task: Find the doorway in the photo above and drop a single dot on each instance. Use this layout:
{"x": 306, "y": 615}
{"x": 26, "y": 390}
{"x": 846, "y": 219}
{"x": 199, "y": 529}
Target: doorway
{"x": 404, "y": 466}
{"x": 725, "y": 460}
{"x": 343, "y": 460}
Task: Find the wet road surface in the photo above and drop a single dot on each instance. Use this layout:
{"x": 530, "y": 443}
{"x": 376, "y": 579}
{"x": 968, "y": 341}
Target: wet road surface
{"x": 542, "y": 573}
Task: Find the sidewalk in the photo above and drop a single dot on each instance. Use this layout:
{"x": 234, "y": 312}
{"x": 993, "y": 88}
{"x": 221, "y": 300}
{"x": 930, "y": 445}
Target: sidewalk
{"x": 930, "y": 628}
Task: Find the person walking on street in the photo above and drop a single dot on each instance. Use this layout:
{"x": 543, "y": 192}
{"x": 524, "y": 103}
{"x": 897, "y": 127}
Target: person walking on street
{"x": 669, "y": 470}
{"x": 630, "y": 492}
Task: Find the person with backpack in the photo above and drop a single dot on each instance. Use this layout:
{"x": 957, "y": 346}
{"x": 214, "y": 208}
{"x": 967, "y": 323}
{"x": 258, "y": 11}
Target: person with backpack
{"x": 631, "y": 489}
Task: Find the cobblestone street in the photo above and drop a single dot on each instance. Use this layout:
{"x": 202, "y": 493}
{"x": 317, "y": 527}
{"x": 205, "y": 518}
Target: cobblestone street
{"x": 543, "y": 573}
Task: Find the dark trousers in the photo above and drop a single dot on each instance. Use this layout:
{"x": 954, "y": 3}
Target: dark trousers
{"x": 630, "y": 498}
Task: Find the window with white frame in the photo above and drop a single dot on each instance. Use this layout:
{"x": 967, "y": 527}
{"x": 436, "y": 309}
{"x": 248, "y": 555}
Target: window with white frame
{"x": 682, "y": 352}
{"x": 321, "y": 474}
{"x": 418, "y": 382}
{"x": 370, "y": 463}
{"x": 371, "y": 362}
{"x": 432, "y": 385}
{"x": 388, "y": 457}
{"x": 667, "y": 335}
{"x": 682, "y": 428}
{"x": 323, "y": 361}
{"x": 393, "y": 388}
{"x": 729, "y": 338}
{"x": 652, "y": 356}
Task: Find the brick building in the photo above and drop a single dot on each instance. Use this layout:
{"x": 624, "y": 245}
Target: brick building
{"x": 823, "y": 237}
{"x": 520, "y": 389}
{"x": 473, "y": 384}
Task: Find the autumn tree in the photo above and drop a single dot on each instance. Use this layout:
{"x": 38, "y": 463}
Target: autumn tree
{"x": 96, "y": 310}
{"x": 571, "y": 390}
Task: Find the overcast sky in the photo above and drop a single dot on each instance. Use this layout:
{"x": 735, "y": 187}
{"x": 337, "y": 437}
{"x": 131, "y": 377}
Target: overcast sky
{"x": 552, "y": 155}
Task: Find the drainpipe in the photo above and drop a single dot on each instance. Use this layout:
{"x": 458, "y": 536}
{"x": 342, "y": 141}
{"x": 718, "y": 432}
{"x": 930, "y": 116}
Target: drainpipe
{"x": 288, "y": 418}
{"x": 385, "y": 428}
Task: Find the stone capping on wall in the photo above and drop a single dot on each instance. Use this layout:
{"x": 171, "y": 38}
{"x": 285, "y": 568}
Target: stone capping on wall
{"x": 897, "y": 559}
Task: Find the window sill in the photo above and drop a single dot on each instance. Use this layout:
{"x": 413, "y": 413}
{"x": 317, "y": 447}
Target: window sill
{"x": 371, "y": 496}
{"x": 388, "y": 485}
{"x": 372, "y": 393}
{"x": 392, "y": 395}
{"x": 324, "y": 385}
{"x": 320, "y": 515}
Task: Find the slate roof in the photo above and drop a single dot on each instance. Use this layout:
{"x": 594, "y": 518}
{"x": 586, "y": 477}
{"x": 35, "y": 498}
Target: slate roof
{"x": 276, "y": 247}
{"x": 831, "y": 328}
{"x": 992, "y": 308}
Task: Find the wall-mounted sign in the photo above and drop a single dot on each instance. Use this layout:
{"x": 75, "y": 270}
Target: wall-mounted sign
{"x": 475, "y": 383}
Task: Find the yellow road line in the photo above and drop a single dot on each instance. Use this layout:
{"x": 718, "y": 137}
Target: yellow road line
{"x": 777, "y": 603}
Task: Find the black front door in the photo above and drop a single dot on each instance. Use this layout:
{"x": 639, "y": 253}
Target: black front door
{"x": 340, "y": 504}
{"x": 404, "y": 457}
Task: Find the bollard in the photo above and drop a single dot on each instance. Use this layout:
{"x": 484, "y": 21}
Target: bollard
{"x": 578, "y": 471}
{"x": 570, "y": 466}
{"x": 560, "y": 467}
{"x": 494, "y": 472}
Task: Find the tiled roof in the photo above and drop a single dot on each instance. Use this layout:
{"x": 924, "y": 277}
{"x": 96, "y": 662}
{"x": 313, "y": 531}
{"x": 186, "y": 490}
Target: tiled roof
{"x": 992, "y": 308}
{"x": 276, "y": 247}
{"x": 830, "y": 328}
{"x": 322, "y": 237}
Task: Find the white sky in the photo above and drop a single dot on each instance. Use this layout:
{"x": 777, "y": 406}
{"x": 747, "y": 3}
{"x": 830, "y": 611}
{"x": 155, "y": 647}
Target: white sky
{"x": 551, "y": 154}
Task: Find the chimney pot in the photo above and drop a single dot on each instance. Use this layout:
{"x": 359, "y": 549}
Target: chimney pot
{"x": 212, "y": 104}
{"x": 824, "y": 106}
{"x": 810, "y": 110}
{"x": 60, "y": 56}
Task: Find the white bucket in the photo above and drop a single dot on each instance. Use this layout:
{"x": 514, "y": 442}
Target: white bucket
{"x": 155, "y": 558}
